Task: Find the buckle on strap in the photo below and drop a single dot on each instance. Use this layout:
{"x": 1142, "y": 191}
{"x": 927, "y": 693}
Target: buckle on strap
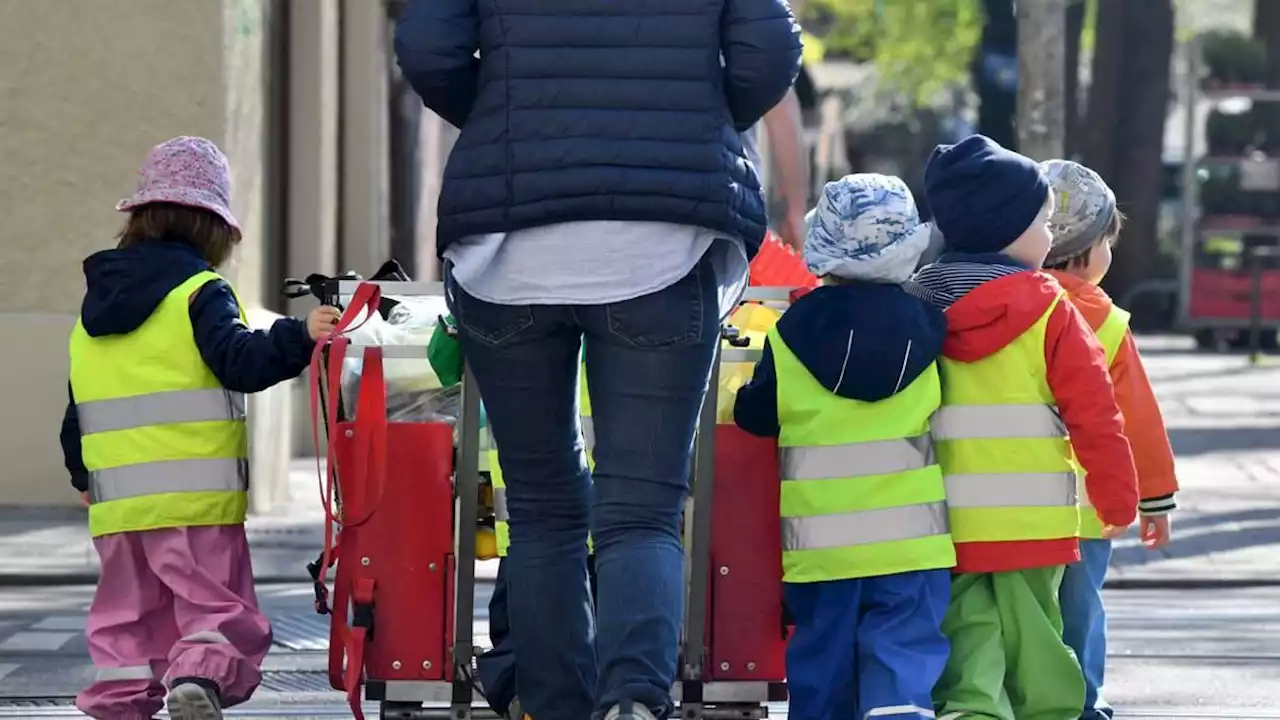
{"x": 316, "y": 571}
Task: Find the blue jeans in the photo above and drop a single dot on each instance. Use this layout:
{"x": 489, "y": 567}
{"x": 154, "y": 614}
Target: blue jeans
{"x": 648, "y": 361}
{"x": 496, "y": 668}
{"x": 1084, "y": 621}
{"x": 867, "y": 648}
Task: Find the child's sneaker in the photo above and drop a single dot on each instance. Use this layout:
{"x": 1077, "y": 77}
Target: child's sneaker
{"x": 194, "y": 699}
{"x": 629, "y": 710}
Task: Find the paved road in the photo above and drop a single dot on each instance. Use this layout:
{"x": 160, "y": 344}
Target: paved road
{"x": 1196, "y": 649}
{"x": 1187, "y": 653}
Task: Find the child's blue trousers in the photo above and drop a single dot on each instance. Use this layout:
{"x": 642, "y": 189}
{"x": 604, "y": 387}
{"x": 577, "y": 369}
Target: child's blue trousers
{"x": 1084, "y": 621}
{"x": 871, "y": 647}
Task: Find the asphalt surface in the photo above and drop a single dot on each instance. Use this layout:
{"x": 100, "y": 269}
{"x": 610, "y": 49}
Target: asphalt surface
{"x": 1204, "y": 653}
{"x": 1187, "y": 641}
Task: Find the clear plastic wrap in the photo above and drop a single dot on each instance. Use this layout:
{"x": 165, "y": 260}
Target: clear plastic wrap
{"x": 414, "y": 393}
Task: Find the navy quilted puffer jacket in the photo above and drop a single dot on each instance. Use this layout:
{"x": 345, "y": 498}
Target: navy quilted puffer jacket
{"x": 578, "y": 110}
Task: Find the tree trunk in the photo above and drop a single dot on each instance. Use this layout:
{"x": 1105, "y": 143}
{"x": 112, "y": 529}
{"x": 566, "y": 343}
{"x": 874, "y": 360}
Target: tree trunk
{"x": 1042, "y": 45}
{"x": 1071, "y": 80}
{"x": 993, "y": 72}
{"x": 1128, "y": 103}
{"x": 1266, "y": 27}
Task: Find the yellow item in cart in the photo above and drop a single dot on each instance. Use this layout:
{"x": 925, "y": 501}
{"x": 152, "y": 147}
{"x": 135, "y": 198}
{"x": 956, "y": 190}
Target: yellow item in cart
{"x": 486, "y": 543}
{"x": 753, "y": 321}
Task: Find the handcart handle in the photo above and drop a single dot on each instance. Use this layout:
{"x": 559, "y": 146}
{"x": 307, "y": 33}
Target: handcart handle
{"x": 346, "y": 287}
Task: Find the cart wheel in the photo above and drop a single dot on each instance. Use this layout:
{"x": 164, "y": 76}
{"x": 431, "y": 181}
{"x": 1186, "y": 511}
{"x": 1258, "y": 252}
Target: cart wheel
{"x": 399, "y": 710}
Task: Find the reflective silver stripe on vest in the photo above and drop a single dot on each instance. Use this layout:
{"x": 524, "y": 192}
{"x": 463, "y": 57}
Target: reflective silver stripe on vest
{"x": 899, "y": 711}
{"x": 989, "y": 422}
{"x": 117, "y": 674}
{"x": 818, "y": 532}
{"x": 983, "y": 490}
{"x": 214, "y": 474}
{"x": 877, "y": 457}
{"x": 1082, "y": 492}
{"x": 500, "y": 505}
{"x": 161, "y": 408}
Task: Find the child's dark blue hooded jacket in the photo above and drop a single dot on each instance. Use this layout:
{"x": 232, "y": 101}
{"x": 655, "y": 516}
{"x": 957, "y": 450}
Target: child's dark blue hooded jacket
{"x": 125, "y": 286}
{"x": 863, "y": 341}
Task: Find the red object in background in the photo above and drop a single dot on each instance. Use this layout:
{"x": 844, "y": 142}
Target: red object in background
{"x": 1227, "y": 294}
{"x": 747, "y": 641}
{"x": 777, "y": 265}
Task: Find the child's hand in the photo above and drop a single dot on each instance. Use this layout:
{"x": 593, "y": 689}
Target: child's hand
{"x": 1111, "y": 532}
{"x": 321, "y": 320}
{"x": 1155, "y": 531}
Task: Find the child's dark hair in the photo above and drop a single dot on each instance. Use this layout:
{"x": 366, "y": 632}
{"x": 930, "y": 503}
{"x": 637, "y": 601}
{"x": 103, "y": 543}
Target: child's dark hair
{"x": 205, "y": 231}
{"x": 1080, "y": 260}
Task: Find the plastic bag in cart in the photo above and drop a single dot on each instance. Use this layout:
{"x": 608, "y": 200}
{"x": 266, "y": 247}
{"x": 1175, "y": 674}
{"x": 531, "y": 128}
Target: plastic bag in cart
{"x": 414, "y": 391}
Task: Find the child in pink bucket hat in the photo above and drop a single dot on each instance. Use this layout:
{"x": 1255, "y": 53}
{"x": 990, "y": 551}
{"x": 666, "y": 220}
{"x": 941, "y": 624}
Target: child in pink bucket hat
{"x": 189, "y": 171}
{"x": 155, "y": 440}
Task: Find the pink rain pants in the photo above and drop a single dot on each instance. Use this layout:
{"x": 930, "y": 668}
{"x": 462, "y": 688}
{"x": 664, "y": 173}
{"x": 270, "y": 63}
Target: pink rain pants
{"x": 175, "y": 603}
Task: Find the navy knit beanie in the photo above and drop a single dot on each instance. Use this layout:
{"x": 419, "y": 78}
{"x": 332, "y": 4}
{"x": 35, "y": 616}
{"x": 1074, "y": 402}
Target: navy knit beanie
{"x": 983, "y": 197}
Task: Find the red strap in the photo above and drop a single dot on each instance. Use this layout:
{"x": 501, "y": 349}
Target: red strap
{"x": 353, "y": 679}
{"x": 366, "y": 300}
{"x": 371, "y": 453}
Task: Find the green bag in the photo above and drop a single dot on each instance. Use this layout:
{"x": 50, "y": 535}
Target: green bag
{"x": 444, "y": 353}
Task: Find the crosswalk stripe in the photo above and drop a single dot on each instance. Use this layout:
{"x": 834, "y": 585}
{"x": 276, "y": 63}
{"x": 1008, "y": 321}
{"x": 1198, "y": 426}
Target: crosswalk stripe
{"x": 63, "y": 623}
{"x": 35, "y": 641}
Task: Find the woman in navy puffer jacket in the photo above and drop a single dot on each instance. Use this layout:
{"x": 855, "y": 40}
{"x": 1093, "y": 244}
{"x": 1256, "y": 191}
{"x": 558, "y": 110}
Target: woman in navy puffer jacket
{"x": 598, "y": 202}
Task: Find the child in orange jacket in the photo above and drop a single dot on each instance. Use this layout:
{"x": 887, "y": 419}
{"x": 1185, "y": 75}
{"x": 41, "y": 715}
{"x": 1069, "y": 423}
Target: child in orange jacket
{"x": 1085, "y": 224}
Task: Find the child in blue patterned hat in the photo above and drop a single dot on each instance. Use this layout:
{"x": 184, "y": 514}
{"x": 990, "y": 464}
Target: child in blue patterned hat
{"x": 847, "y": 383}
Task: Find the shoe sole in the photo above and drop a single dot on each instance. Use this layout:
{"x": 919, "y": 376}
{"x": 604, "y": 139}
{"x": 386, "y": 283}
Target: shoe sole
{"x": 191, "y": 702}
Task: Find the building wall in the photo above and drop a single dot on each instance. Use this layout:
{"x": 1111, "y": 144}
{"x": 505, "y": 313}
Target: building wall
{"x": 86, "y": 88}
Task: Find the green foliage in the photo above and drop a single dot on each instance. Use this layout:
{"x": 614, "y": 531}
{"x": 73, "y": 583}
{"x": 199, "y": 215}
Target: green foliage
{"x": 918, "y": 46}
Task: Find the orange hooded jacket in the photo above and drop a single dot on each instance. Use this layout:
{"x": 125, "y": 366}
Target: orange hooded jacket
{"x": 1143, "y": 422}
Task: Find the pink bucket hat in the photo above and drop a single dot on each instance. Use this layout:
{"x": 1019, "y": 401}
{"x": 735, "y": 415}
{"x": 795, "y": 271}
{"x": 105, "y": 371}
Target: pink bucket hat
{"x": 187, "y": 171}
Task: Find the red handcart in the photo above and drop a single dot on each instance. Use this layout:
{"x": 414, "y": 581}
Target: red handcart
{"x": 406, "y": 506}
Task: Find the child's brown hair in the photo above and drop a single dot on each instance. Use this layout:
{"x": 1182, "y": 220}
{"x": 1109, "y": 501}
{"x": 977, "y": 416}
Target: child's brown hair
{"x": 204, "y": 231}
{"x": 1080, "y": 260}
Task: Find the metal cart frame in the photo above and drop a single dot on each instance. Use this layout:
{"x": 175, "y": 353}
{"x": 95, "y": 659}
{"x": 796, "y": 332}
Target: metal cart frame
{"x": 696, "y": 698}
{"x": 1192, "y": 215}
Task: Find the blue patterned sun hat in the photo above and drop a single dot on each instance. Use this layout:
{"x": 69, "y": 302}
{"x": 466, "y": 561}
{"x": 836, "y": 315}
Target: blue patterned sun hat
{"x": 866, "y": 227}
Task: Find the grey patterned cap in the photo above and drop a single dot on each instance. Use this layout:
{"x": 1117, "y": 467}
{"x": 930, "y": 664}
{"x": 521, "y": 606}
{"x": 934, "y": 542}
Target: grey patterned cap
{"x": 1083, "y": 207}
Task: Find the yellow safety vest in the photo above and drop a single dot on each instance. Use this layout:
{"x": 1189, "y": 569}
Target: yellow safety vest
{"x": 501, "y": 525}
{"x": 165, "y": 444}
{"x": 861, "y": 493}
{"x": 1111, "y": 334}
{"x": 1009, "y": 470}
